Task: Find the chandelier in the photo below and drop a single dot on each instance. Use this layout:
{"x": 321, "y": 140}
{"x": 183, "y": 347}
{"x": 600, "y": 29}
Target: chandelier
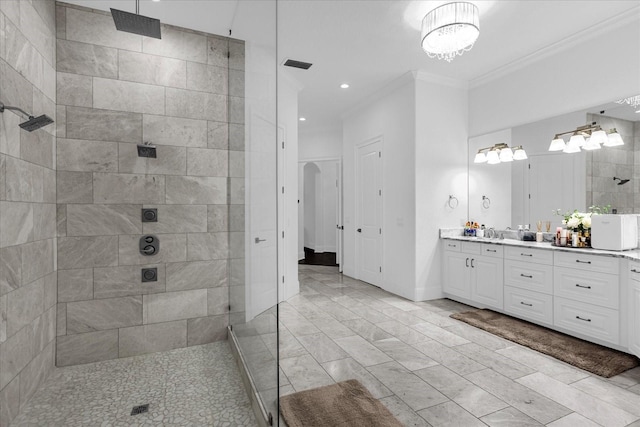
{"x": 450, "y": 30}
{"x": 499, "y": 153}
{"x": 587, "y": 137}
{"x": 634, "y": 101}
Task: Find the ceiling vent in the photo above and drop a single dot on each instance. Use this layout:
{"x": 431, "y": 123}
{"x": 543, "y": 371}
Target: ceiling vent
{"x": 297, "y": 64}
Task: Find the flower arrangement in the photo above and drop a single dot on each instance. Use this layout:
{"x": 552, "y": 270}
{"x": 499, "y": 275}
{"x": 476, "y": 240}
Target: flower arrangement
{"x": 581, "y": 221}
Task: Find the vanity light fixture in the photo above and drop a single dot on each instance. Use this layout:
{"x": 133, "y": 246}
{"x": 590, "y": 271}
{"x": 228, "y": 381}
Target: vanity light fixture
{"x": 450, "y": 30}
{"x": 499, "y": 153}
{"x": 587, "y": 137}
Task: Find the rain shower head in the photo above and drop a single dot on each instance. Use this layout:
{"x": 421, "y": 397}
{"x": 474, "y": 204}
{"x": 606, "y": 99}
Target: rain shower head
{"x": 136, "y": 23}
{"x": 33, "y": 123}
{"x": 622, "y": 181}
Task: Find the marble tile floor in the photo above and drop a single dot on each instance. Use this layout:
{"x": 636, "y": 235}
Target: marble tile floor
{"x": 431, "y": 370}
{"x": 194, "y": 386}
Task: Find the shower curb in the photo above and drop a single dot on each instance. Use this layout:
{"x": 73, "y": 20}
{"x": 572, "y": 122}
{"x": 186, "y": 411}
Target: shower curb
{"x": 256, "y": 404}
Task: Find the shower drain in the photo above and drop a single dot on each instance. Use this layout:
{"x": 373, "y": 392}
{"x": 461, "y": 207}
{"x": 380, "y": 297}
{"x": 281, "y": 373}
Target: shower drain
{"x": 140, "y": 409}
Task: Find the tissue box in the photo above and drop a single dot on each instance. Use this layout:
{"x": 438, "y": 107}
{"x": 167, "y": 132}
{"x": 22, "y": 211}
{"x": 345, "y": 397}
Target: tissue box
{"x": 614, "y": 232}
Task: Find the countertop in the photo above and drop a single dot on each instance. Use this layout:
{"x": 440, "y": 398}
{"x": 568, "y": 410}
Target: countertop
{"x": 632, "y": 254}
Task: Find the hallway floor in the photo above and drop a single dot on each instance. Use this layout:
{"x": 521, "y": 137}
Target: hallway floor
{"x": 194, "y": 386}
{"x": 429, "y": 369}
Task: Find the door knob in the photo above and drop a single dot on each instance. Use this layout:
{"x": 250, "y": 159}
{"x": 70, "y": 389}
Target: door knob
{"x": 359, "y": 230}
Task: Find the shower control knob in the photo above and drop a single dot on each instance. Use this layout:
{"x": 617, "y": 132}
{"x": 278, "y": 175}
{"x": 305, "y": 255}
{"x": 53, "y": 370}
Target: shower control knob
{"x": 149, "y": 245}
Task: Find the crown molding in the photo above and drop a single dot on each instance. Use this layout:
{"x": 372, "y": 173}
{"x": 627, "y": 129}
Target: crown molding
{"x": 582, "y": 36}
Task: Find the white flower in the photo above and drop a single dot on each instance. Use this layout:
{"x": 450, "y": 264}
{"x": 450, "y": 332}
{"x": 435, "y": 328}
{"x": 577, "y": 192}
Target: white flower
{"x": 586, "y": 221}
{"x": 573, "y": 222}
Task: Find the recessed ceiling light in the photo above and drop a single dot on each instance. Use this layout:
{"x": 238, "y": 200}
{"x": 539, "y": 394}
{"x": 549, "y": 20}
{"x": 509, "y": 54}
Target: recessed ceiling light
{"x": 344, "y": 85}
{"x": 302, "y": 119}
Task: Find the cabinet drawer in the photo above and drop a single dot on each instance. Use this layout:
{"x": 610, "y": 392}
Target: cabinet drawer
{"x": 586, "y": 286}
{"x": 541, "y": 256}
{"x": 634, "y": 270}
{"x": 529, "y": 276}
{"x": 586, "y": 262}
{"x": 587, "y": 319}
{"x": 528, "y": 305}
{"x": 471, "y": 248}
{"x": 452, "y": 245}
{"x": 494, "y": 251}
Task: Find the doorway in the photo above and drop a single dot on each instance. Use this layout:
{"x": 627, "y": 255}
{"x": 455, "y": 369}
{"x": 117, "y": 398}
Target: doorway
{"x": 320, "y": 212}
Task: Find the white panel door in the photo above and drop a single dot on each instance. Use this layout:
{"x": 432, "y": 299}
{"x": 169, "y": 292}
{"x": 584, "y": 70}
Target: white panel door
{"x": 339, "y": 226}
{"x": 556, "y": 181}
{"x": 369, "y": 213}
{"x": 261, "y": 197}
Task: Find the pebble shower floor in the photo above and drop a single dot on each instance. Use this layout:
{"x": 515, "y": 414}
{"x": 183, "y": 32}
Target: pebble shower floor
{"x": 194, "y": 386}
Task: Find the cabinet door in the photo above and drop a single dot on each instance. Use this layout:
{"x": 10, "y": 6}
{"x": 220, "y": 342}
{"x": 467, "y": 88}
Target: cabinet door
{"x": 487, "y": 281}
{"x": 456, "y": 274}
{"x": 634, "y": 317}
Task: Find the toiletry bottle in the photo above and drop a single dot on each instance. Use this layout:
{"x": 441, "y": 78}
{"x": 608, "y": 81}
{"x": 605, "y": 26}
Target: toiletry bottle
{"x": 520, "y": 232}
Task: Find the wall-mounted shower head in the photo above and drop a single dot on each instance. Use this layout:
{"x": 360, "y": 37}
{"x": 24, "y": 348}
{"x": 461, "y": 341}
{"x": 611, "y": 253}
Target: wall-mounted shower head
{"x": 33, "y": 123}
{"x": 622, "y": 181}
{"x": 147, "y": 150}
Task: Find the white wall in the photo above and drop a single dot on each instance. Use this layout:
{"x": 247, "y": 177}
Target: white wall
{"x": 392, "y": 116}
{"x": 441, "y": 169}
{"x": 493, "y": 181}
{"x": 320, "y": 144}
{"x": 593, "y": 69}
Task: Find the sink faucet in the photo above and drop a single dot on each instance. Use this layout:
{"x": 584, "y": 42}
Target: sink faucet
{"x": 491, "y": 233}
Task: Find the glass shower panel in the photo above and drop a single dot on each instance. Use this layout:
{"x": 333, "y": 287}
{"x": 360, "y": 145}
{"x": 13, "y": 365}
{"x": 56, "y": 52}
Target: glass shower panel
{"x": 253, "y": 290}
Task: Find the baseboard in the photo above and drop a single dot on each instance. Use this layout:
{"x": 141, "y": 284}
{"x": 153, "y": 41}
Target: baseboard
{"x": 426, "y": 294}
{"x": 262, "y": 417}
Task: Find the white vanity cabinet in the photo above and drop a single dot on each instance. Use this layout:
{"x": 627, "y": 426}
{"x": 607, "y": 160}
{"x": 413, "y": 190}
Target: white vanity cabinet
{"x": 474, "y": 271}
{"x": 528, "y": 284}
{"x": 586, "y": 295}
{"x": 633, "y": 274}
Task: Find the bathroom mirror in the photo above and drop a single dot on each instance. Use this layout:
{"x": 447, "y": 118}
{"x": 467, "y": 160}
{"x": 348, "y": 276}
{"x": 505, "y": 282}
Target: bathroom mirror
{"x": 508, "y": 194}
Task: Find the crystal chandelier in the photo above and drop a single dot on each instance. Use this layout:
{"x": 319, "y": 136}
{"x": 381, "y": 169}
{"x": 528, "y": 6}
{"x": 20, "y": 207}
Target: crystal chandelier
{"x": 634, "y": 101}
{"x": 450, "y": 30}
{"x": 499, "y": 153}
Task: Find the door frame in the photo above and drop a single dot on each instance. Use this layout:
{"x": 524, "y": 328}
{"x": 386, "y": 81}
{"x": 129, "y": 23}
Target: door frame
{"x": 339, "y": 204}
{"x": 357, "y": 240}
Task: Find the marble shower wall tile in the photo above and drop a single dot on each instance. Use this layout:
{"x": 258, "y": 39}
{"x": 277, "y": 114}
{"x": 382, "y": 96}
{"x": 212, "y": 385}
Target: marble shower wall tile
{"x": 171, "y": 306}
{"x": 86, "y": 59}
{"x": 98, "y": 29}
{"x": 126, "y": 188}
{"x": 86, "y": 348}
{"x": 24, "y": 181}
{"x": 188, "y": 190}
{"x": 74, "y": 89}
{"x": 103, "y": 314}
{"x": 179, "y": 44}
{"x": 170, "y": 160}
{"x": 151, "y": 69}
{"x": 128, "y": 96}
{"x": 87, "y": 156}
{"x": 163, "y": 130}
{"x": 177, "y": 219}
{"x": 145, "y": 339}
{"x": 117, "y": 90}
{"x": 197, "y": 275}
{"x": 103, "y": 125}
{"x": 16, "y": 223}
{"x": 109, "y": 282}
